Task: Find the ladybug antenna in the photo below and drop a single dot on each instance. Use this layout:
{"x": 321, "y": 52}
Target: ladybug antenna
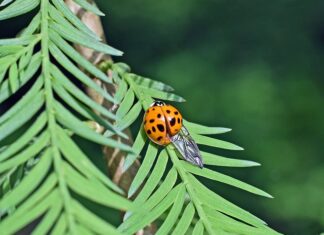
{"x": 158, "y": 103}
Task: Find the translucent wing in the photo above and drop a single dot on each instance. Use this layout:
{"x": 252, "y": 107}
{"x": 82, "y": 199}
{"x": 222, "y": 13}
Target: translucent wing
{"x": 187, "y": 147}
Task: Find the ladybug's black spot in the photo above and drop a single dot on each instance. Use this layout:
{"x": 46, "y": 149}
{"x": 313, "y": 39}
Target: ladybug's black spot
{"x": 160, "y": 127}
{"x": 149, "y": 132}
{"x": 153, "y": 129}
{"x": 148, "y": 111}
{"x": 153, "y": 109}
{"x": 159, "y": 115}
{"x": 173, "y": 122}
{"x": 145, "y": 122}
{"x": 176, "y": 112}
{"x": 175, "y": 130}
{"x": 168, "y": 111}
{"x": 179, "y": 120}
{"x": 159, "y": 138}
{"x": 152, "y": 120}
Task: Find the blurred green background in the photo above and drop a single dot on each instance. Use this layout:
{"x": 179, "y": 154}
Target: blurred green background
{"x": 254, "y": 66}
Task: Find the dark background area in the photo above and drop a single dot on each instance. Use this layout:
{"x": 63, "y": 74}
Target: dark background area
{"x": 254, "y": 66}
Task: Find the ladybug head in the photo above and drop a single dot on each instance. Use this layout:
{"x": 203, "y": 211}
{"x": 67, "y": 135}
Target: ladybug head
{"x": 157, "y": 103}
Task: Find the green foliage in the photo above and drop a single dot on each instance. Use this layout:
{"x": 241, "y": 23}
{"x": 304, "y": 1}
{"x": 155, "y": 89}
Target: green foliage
{"x": 258, "y": 68}
{"x": 45, "y": 175}
{"x": 175, "y": 197}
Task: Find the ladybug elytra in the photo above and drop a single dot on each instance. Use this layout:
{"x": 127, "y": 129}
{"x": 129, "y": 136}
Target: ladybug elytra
{"x": 162, "y": 121}
{"x": 163, "y": 125}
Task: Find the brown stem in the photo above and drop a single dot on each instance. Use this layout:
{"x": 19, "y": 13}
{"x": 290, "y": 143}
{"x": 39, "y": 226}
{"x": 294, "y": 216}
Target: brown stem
{"x": 114, "y": 157}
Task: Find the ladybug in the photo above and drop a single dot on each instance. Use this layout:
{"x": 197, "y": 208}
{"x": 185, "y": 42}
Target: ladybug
{"x": 162, "y": 121}
{"x": 163, "y": 125}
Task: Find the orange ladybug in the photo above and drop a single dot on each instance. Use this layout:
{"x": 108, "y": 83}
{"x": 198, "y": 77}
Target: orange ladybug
{"x": 163, "y": 125}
